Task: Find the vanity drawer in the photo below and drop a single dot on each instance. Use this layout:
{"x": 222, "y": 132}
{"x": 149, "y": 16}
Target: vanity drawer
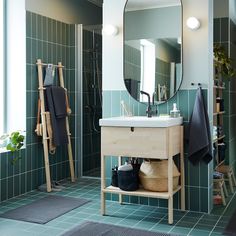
{"x": 139, "y": 142}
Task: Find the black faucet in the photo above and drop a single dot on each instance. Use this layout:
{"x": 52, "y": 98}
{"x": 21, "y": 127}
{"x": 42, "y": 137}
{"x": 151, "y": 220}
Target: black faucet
{"x": 149, "y": 108}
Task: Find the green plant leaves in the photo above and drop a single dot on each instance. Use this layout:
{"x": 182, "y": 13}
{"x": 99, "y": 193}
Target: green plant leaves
{"x": 16, "y": 141}
{"x": 223, "y": 62}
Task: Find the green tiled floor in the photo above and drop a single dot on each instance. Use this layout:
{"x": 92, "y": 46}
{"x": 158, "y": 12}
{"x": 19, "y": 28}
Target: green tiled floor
{"x": 135, "y": 216}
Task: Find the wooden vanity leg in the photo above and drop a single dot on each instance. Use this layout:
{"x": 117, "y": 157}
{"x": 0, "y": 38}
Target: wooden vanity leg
{"x": 182, "y": 174}
{"x": 170, "y": 190}
{"x": 103, "y": 185}
{"x": 119, "y": 164}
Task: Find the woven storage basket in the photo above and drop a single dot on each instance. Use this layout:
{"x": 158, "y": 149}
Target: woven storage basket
{"x": 153, "y": 175}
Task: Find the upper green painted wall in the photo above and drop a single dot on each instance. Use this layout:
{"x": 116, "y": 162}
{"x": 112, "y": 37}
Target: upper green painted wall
{"x": 147, "y": 22}
{"x": 72, "y": 12}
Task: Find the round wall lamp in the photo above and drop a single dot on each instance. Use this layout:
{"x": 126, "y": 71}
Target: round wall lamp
{"x": 193, "y": 23}
{"x": 110, "y": 30}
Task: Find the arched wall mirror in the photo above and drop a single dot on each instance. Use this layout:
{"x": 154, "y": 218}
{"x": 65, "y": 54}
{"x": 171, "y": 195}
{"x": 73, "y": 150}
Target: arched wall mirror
{"x": 153, "y": 48}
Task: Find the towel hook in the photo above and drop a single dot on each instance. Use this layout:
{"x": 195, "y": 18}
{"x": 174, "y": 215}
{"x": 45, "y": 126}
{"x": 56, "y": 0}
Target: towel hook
{"x": 199, "y": 84}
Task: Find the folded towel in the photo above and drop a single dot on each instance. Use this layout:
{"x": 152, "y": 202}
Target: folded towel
{"x": 59, "y": 101}
{"x": 200, "y": 145}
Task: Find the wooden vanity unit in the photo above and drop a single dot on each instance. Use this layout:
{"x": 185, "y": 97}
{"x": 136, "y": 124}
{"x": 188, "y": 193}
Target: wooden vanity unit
{"x": 143, "y": 142}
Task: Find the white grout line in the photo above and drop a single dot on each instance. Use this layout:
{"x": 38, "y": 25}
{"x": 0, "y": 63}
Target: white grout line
{"x": 223, "y": 213}
{"x": 195, "y": 224}
{"x": 178, "y": 221}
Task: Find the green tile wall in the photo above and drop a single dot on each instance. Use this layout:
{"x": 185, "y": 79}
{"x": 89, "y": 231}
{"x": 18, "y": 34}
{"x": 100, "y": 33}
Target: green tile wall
{"x": 225, "y": 34}
{"x": 198, "y": 184}
{"x": 92, "y": 104}
{"x": 52, "y": 41}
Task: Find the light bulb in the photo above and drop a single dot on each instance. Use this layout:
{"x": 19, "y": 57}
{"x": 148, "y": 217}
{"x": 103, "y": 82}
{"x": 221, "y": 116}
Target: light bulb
{"x": 193, "y": 23}
{"x": 110, "y": 30}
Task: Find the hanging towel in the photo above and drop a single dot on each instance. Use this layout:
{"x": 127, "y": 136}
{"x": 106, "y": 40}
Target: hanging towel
{"x": 59, "y": 101}
{"x": 200, "y": 146}
{"x": 60, "y": 136}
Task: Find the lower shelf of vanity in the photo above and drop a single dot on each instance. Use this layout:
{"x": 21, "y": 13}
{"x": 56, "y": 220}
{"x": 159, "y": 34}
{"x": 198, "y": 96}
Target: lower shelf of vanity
{"x": 140, "y": 192}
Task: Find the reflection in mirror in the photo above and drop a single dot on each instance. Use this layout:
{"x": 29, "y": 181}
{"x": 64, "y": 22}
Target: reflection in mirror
{"x": 153, "y": 48}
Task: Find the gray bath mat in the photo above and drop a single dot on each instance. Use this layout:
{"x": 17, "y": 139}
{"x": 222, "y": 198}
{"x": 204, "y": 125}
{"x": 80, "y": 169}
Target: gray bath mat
{"x": 231, "y": 227}
{"x": 45, "y": 209}
{"x": 100, "y": 229}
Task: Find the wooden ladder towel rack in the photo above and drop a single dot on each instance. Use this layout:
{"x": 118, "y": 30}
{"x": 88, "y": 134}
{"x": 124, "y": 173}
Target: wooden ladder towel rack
{"x": 44, "y": 124}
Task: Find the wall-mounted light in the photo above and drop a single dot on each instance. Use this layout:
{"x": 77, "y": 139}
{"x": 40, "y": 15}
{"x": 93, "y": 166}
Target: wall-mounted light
{"x": 193, "y": 23}
{"x": 110, "y": 30}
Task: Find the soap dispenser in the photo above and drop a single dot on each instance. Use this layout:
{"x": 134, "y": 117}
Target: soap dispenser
{"x": 175, "y": 112}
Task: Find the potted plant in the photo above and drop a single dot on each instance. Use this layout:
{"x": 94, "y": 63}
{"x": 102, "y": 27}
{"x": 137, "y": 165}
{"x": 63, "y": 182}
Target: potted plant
{"x": 13, "y": 142}
{"x": 223, "y": 64}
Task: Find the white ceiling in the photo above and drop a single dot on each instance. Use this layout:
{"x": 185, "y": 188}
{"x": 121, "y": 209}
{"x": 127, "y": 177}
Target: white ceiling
{"x": 148, "y": 4}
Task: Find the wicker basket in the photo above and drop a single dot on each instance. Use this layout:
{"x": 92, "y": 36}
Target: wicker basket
{"x": 153, "y": 175}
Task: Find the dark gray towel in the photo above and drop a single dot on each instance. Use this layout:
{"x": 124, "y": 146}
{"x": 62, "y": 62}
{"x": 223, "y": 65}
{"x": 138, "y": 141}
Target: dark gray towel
{"x": 200, "y": 145}
{"x": 58, "y": 124}
{"x": 59, "y": 101}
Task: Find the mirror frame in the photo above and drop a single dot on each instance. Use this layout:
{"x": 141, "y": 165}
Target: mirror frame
{"x": 181, "y": 56}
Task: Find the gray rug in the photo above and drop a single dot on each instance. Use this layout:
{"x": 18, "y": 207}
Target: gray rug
{"x": 100, "y": 229}
{"x": 45, "y": 209}
{"x": 231, "y": 227}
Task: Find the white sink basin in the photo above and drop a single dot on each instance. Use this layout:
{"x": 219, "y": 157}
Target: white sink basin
{"x": 141, "y": 121}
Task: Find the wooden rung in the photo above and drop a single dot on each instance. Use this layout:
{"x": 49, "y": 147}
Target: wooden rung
{"x": 47, "y": 138}
{"x": 45, "y": 64}
{"x": 41, "y": 88}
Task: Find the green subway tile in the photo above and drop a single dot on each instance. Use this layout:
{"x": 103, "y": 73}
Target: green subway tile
{"x": 115, "y": 103}
{"x": 106, "y": 104}
{"x": 59, "y": 32}
{"x": 34, "y": 27}
{"x": 203, "y": 174}
{"x": 142, "y": 109}
{"x": 72, "y": 58}
{"x": 54, "y": 31}
{"x": 28, "y": 77}
{"x": 44, "y": 28}
{"x": 39, "y": 28}
{"x": 34, "y": 51}
{"x": 194, "y": 174}
{"x": 72, "y": 35}
{"x": 162, "y": 108}
{"x": 22, "y": 183}
{"x": 28, "y": 158}
{"x": 194, "y": 199}
{"x": 40, "y": 49}
{"x": 3, "y": 193}
{"x": 34, "y": 180}
{"x": 45, "y": 52}
{"x": 28, "y": 50}
{"x": 49, "y": 30}
{"x": 63, "y": 33}
{"x": 50, "y": 55}
{"x": 34, "y": 104}
{"x": 153, "y": 201}
{"x": 28, "y": 181}
{"x": 59, "y": 53}
{"x": 28, "y": 24}
{"x": 64, "y": 48}
{"x": 143, "y": 200}
{"x": 16, "y": 184}
{"x": 10, "y": 191}
{"x": 183, "y": 104}
{"x": 4, "y": 163}
{"x": 204, "y": 199}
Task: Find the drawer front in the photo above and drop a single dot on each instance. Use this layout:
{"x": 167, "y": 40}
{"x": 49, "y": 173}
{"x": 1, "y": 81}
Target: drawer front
{"x": 136, "y": 142}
